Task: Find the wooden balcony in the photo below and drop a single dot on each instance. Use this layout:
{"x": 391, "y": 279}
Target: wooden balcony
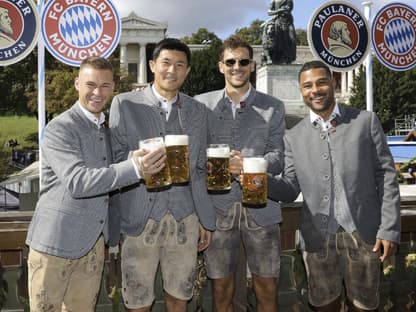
{"x": 398, "y": 289}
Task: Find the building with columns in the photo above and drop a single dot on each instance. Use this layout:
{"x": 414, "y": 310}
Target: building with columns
{"x": 139, "y": 37}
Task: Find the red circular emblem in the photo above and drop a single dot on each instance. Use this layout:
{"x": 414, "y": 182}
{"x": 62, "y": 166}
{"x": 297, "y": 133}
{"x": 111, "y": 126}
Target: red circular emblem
{"x": 19, "y": 29}
{"x": 394, "y": 36}
{"x": 75, "y": 29}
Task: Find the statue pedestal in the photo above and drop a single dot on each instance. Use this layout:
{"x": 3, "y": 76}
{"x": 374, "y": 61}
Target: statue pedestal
{"x": 281, "y": 81}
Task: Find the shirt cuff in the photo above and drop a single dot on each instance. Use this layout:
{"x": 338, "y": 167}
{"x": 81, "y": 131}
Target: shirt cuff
{"x": 136, "y": 169}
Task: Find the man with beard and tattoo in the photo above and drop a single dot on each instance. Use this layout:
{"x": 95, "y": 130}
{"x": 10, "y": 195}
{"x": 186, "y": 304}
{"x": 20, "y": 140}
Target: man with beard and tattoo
{"x": 252, "y": 124}
{"x": 339, "y": 159}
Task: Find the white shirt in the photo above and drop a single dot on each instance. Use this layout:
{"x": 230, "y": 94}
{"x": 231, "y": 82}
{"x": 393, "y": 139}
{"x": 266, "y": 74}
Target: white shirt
{"x": 165, "y": 104}
{"x": 92, "y": 117}
{"x": 325, "y": 125}
{"x": 237, "y": 105}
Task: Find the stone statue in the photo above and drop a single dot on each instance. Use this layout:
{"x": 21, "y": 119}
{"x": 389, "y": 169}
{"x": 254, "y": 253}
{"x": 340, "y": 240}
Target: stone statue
{"x": 279, "y": 36}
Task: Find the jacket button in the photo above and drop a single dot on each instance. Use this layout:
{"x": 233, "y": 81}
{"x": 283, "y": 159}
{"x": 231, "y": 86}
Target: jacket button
{"x": 324, "y": 219}
{"x": 326, "y": 177}
{"x": 101, "y": 139}
{"x": 104, "y": 158}
{"x": 325, "y": 156}
{"x": 326, "y": 198}
{"x": 101, "y": 221}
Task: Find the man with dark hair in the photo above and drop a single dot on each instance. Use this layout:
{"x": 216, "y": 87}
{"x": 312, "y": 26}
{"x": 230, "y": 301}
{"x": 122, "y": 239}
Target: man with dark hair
{"x": 252, "y": 124}
{"x": 162, "y": 226}
{"x": 339, "y": 159}
{"x": 70, "y": 223}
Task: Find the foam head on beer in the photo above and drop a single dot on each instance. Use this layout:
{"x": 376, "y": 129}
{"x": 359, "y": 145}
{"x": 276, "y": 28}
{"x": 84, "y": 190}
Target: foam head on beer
{"x": 254, "y": 165}
{"x": 176, "y": 139}
{"x": 218, "y": 151}
{"x": 152, "y": 144}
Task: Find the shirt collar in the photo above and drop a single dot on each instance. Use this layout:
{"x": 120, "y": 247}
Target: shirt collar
{"x": 313, "y": 117}
{"x": 90, "y": 116}
{"x": 164, "y": 101}
{"x": 242, "y": 99}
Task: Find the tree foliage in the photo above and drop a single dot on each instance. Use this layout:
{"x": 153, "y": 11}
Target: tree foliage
{"x": 204, "y": 75}
{"x": 16, "y": 79}
{"x": 253, "y": 33}
{"x": 393, "y": 92}
{"x": 202, "y": 36}
{"x": 301, "y": 37}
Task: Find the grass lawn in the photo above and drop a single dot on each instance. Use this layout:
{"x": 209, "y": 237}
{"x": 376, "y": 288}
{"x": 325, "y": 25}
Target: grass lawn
{"x": 24, "y": 130}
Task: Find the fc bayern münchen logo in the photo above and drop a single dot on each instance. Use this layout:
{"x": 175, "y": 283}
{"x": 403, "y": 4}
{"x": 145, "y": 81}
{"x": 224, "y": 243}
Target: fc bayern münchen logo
{"x": 394, "y": 36}
{"x": 338, "y": 34}
{"x": 74, "y": 29}
{"x": 19, "y": 29}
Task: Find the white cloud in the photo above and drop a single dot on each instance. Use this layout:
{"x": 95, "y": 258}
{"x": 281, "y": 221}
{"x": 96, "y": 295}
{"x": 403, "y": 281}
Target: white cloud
{"x": 185, "y": 17}
{"x": 223, "y": 17}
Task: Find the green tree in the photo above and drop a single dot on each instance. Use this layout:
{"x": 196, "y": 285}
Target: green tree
{"x": 253, "y": 33}
{"x": 203, "y": 35}
{"x": 15, "y": 81}
{"x": 301, "y": 37}
{"x": 393, "y": 92}
{"x": 204, "y": 75}
{"x": 60, "y": 93}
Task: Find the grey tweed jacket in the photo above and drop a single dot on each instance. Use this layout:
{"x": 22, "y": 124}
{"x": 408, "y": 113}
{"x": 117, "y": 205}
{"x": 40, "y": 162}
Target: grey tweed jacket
{"x": 77, "y": 175}
{"x": 257, "y": 130}
{"x": 136, "y": 116}
{"x": 365, "y": 164}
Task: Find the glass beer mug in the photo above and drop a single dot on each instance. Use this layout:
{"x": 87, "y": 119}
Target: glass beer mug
{"x": 177, "y": 150}
{"x": 162, "y": 178}
{"x": 254, "y": 184}
{"x": 218, "y": 167}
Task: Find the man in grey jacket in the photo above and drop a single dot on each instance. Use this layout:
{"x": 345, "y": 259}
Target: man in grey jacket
{"x": 70, "y": 223}
{"x": 252, "y": 124}
{"x": 339, "y": 159}
{"x": 166, "y": 226}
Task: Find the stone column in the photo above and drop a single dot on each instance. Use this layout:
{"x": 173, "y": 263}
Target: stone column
{"x": 142, "y": 72}
{"x": 123, "y": 57}
{"x": 350, "y": 81}
{"x": 343, "y": 84}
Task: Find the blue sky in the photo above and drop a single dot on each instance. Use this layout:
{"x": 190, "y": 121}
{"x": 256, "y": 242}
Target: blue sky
{"x": 223, "y": 17}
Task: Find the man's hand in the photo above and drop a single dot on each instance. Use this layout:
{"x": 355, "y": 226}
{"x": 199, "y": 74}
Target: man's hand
{"x": 150, "y": 162}
{"x": 236, "y": 163}
{"x": 204, "y": 238}
{"x": 389, "y": 248}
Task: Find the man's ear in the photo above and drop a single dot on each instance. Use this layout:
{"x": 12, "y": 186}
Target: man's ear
{"x": 76, "y": 83}
{"x": 152, "y": 66}
{"x": 221, "y": 67}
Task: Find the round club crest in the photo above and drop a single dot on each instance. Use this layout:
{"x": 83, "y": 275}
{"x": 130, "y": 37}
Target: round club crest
{"x": 338, "y": 35}
{"x": 75, "y": 29}
{"x": 394, "y": 36}
{"x": 19, "y": 29}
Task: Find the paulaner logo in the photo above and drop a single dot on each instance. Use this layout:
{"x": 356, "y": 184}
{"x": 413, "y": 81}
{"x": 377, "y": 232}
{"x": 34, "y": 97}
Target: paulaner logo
{"x": 75, "y": 29}
{"x": 19, "y": 29}
{"x": 394, "y": 36}
{"x": 339, "y": 35}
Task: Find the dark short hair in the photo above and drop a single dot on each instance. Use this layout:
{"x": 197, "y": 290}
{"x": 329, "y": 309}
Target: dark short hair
{"x": 172, "y": 44}
{"x": 97, "y": 62}
{"x": 234, "y": 42}
{"x": 313, "y": 65}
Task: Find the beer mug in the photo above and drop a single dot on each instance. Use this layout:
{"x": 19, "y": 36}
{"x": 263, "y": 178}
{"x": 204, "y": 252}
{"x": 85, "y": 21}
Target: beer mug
{"x": 254, "y": 184}
{"x": 177, "y": 151}
{"x": 218, "y": 167}
{"x": 162, "y": 178}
